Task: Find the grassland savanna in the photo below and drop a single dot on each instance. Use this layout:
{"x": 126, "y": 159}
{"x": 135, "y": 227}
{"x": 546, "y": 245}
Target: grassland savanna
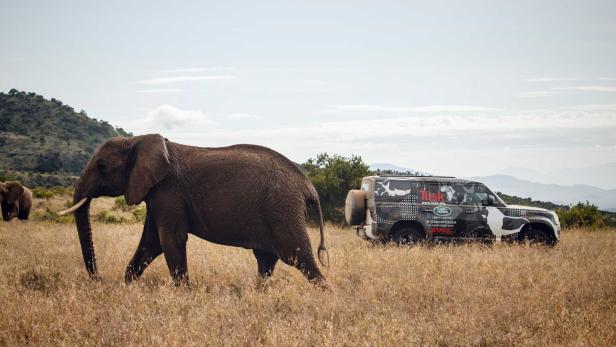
{"x": 380, "y": 295}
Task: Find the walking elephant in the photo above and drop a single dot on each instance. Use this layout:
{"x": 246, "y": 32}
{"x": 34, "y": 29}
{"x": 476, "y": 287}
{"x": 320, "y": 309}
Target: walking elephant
{"x": 243, "y": 195}
{"x": 15, "y": 200}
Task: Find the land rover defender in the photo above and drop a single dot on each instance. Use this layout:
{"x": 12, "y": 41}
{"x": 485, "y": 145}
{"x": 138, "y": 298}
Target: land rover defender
{"x": 413, "y": 209}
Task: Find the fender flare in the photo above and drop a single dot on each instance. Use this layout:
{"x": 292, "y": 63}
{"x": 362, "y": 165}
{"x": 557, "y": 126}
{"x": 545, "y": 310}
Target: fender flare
{"x": 544, "y": 221}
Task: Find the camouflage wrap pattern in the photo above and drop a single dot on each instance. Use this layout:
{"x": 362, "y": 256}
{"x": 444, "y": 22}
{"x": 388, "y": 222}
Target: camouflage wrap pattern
{"x": 448, "y": 207}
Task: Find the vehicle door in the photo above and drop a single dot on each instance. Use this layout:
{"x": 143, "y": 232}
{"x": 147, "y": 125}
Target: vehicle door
{"x": 473, "y": 218}
{"x": 440, "y": 209}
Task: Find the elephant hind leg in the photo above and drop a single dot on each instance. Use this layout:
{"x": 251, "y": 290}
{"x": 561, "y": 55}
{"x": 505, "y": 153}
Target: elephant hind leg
{"x": 308, "y": 266}
{"x": 266, "y": 262}
{"x": 173, "y": 243}
{"x": 298, "y": 253}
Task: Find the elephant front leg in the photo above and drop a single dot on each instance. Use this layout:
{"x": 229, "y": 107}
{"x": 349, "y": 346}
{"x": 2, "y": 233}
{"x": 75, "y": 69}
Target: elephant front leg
{"x": 173, "y": 243}
{"x": 149, "y": 248}
{"x": 9, "y": 211}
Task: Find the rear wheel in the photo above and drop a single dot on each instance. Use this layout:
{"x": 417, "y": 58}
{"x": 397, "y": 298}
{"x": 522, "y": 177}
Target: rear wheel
{"x": 408, "y": 236}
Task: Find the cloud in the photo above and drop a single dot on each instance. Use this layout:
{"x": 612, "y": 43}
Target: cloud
{"x": 431, "y": 109}
{"x": 425, "y": 131}
{"x": 537, "y": 94}
{"x": 589, "y": 88}
{"x": 196, "y": 69}
{"x": 431, "y": 142}
{"x": 175, "y": 79}
{"x": 170, "y": 117}
{"x": 161, "y": 90}
{"x": 243, "y": 116}
{"x": 551, "y": 79}
{"x": 607, "y": 78}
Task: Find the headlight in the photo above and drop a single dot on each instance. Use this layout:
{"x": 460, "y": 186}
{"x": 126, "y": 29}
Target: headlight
{"x": 555, "y": 216}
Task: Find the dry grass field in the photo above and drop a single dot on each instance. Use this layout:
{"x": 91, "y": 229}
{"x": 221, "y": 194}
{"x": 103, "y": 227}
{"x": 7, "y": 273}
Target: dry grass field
{"x": 380, "y": 295}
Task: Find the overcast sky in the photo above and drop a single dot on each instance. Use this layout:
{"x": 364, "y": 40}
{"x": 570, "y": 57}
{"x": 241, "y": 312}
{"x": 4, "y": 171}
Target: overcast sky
{"x": 448, "y": 88}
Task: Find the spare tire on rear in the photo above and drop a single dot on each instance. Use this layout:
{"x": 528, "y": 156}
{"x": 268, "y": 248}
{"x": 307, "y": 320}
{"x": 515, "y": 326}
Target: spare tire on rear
{"x": 355, "y": 207}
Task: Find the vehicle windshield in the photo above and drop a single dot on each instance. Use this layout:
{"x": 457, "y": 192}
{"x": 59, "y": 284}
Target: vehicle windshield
{"x": 498, "y": 199}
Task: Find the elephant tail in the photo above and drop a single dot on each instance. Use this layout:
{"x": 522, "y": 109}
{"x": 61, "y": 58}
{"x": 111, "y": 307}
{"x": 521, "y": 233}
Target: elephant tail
{"x": 322, "y": 252}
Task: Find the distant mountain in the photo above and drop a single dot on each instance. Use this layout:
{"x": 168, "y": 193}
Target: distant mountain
{"x": 559, "y": 194}
{"x": 394, "y": 168}
{"x": 47, "y": 137}
{"x": 602, "y": 176}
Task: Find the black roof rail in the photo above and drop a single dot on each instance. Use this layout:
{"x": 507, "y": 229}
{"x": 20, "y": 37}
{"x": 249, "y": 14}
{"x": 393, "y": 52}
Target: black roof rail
{"x": 411, "y": 176}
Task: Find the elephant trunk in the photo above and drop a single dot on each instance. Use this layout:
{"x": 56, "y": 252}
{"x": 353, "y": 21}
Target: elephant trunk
{"x": 84, "y": 229}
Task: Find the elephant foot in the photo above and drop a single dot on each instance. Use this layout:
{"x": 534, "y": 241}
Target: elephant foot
{"x": 181, "y": 281}
{"x": 129, "y": 277}
{"x": 264, "y": 283}
{"x": 322, "y": 284}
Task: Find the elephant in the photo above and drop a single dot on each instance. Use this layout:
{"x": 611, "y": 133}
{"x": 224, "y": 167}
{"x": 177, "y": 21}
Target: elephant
{"x": 16, "y": 200}
{"x": 243, "y": 195}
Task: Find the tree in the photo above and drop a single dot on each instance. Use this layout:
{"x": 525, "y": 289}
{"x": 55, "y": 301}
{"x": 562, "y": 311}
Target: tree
{"x": 333, "y": 176}
{"x": 582, "y": 215}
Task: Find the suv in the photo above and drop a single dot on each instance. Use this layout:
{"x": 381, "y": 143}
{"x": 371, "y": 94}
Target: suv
{"x": 414, "y": 209}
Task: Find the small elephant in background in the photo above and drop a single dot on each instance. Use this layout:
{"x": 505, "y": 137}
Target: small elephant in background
{"x": 16, "y": 200}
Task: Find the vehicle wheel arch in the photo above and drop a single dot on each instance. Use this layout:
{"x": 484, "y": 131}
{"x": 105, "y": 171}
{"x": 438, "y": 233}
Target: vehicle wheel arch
{"x": 538, "y": 224}
{"x": 407, "y": 224}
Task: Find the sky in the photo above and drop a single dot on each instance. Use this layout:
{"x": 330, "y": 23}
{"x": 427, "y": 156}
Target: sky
{"x": 448, "y": 87}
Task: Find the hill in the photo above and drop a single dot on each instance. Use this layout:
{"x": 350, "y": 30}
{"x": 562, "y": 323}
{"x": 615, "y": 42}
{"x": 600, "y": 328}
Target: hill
{"x": 601, "y": 176}
{"x": 558, "y": 194}
{"x": 44, "y": 139}
{"x": 516, "y": 200}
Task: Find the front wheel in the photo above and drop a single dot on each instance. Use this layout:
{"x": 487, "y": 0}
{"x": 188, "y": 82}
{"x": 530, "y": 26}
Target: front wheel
{"x": 539, "y": 237}
{"x": 408, "y": 236}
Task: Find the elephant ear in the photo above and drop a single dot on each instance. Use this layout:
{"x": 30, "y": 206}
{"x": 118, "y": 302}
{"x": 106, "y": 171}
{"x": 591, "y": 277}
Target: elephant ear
{"x": 14, "y": 192}
{"x": 148, "y": 164}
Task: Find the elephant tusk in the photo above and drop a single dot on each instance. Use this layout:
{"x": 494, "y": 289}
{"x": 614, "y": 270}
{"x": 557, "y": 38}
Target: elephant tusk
{"x": 74, "y": 208}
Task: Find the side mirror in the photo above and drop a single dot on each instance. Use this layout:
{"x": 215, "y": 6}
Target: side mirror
{"x": 491, "y": 200}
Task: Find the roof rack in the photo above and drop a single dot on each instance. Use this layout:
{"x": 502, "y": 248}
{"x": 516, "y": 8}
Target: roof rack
{"x": 410, "y": 176}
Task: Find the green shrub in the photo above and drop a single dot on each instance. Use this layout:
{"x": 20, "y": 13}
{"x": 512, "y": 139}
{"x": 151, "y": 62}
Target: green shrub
{"x": 42, "y": 193}
{"x": 48, "y": 215}
{"x": 107, "y": 217}
{"x": 62, "y": 190}
{"x": 48, "y": 193}
{"x": 139, "y": 213}
{"x": 581, "y": 215}
{"x": 333, "y": 176}
{"x": 120, "y": 204}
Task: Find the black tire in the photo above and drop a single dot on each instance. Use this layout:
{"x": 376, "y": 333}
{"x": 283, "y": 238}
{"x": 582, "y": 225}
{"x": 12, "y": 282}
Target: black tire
{"x": 355, "y": 207}
{"x": 408, "y": 236}
{"x": 539, "y": 237}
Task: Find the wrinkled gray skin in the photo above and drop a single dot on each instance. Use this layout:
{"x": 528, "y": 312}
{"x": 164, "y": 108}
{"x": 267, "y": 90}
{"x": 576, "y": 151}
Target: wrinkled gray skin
{"x": 15, "y": 201}
{"x": 243, "y": 195}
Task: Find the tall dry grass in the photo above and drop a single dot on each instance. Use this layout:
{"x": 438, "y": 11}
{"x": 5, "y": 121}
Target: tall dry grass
{"x": 447, "y": 295}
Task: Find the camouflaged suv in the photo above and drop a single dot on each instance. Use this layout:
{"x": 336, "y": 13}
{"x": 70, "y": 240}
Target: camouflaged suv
{"x": 413, "y": 209}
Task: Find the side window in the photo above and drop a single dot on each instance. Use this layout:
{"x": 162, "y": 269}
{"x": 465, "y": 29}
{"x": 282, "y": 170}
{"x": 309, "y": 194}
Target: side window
{"x": 474, "y": 194}
{"x": 440, "y": 193}
{"x": 432, "y": 194}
